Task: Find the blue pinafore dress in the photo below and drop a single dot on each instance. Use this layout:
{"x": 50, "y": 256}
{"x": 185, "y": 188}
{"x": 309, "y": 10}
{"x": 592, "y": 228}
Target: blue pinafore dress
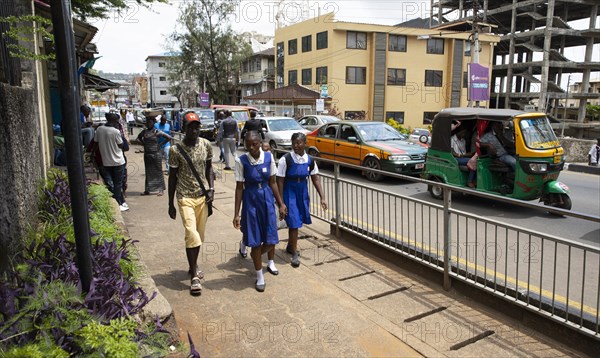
{"x": 295, "y": 194}
{"x": 258, "y": 220}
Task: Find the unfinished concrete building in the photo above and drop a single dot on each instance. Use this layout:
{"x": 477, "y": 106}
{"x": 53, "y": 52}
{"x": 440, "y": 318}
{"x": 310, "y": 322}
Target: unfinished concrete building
{"x": 530, "y": 59}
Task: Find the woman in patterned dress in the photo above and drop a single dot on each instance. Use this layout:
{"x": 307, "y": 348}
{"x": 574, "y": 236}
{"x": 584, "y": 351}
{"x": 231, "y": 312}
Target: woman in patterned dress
{"x": 155, "y": 182}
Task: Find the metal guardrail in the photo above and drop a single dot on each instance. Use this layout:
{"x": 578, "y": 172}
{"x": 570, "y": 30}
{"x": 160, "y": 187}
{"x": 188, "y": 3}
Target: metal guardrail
{"x": 552, "y": 276}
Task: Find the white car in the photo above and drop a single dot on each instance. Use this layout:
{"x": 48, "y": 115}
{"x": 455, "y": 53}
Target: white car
{"x": 278, "y": 131}
{"x": 313, "y": 121}
{"x": 420, "y": 135}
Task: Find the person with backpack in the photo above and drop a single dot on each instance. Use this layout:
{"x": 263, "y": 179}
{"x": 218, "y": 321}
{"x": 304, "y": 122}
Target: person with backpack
{"x": 292, "y": 176}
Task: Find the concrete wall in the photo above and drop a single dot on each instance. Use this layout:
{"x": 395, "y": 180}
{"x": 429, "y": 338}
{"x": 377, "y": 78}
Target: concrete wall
{"x": 576, "y": 150}
{"x": 21, "y": 165}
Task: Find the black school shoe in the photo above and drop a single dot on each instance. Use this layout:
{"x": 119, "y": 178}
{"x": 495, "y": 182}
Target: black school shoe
{"x": 288, "y": 249}
{"x": 272, "y": 272}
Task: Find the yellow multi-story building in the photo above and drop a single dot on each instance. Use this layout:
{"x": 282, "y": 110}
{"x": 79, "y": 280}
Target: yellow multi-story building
{"x": 378, "y": 72}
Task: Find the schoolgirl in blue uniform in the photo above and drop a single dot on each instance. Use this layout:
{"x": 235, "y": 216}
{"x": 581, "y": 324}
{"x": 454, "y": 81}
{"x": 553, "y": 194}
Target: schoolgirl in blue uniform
{"x": 256, "y": 192}
{"x": 292, "y": 180}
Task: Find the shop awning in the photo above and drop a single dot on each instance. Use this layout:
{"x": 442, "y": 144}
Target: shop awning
{"x": 93, "y": 82}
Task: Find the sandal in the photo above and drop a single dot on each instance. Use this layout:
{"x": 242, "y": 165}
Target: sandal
{"x": 195, "y": 287}
{"x": 160, "y": 193}
{"x": 145, "y": 193}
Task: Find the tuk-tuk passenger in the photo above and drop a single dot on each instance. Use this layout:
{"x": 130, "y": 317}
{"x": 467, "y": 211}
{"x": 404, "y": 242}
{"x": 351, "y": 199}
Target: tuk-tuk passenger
{"x": 491, "y": 141}
{"x": 459, "y": 151}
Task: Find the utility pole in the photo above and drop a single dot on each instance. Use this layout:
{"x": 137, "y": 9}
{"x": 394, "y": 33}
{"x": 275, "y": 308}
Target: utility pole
{"x": 475, "y": 47}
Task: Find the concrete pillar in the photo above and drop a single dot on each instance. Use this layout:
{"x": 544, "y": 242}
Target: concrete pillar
{"x": 511, "y": 55}
{"x": 545, "y": 64}
{"x": 585, "y": 82}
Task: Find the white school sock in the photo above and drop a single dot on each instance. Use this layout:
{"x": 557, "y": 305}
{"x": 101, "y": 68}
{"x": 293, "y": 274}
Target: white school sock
{"x": 271, "y": 265}
{"x": 260, "y": 278}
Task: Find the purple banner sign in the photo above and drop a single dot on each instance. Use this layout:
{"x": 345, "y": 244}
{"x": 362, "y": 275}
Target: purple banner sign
{"x": 479, "y": 83}
{"x": 204, "y": 99}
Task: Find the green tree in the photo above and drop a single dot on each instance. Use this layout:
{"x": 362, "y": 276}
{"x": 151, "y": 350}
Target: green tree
{"x": 593, "y": 111}
{"x": 208, "y": 47}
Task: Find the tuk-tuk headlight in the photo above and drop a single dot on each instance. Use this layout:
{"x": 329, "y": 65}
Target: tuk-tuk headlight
{"x": 538, "y": 167}
{"x": 395, "y": 158}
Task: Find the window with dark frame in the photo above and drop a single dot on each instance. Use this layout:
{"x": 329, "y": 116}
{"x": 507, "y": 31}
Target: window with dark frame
{"x": 396, "y": 77}
{"x": 321, "y": 75}
{"x": 307, "y": 76}
{"x": 428, "y": 117}
{"x": 433, "y": 78}
{"x": 465, "y": 79}
{"x": 356, "y": 40}
{"x": 258, "y": 63}
{"x": 397, "y": 116}
{"x": 356, "y": 75}
{"x": 162, "y": 78}
{"x": 435, "y": 46}
{"x": 161, "y": 64}
{"x": 322, "y": 40}
{"x": 292, "y": 77}
{"x": 163, "y": 93}
{"x": 293, "y": 47}
{"x": 307, "y": 43}
{"x": 397, "y": 43}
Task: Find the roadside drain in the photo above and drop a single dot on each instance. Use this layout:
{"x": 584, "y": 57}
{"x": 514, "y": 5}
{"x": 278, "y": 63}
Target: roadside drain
{"x": 331, "y": 261}
{"x": 386, "y": 293}
{"x": 425, "y": 314}
{"x": 356, "y": 276}
{"x": 471, "y": 340}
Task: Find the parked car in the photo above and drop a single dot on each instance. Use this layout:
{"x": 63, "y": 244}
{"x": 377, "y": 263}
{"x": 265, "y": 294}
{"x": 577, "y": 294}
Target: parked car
{"x": 421, "y": 135}
{"x": 370, "y": 144}
{"x": 207, "y": 121}
{"x": 312, "y": 122}
{"x": 278, "y": 131}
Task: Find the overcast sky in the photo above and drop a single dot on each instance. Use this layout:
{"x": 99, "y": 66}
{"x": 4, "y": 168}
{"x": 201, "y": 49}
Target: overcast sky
{"x": 126, "y": 39}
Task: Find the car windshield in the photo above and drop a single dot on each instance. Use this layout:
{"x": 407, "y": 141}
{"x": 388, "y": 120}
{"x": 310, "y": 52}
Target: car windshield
{"x": 206, "y": 116}
{"x": 378, "y": 131}
{"x": 538, "y": 134}
{"x": 288, "y": 124}
{"x": 240, "y": 116}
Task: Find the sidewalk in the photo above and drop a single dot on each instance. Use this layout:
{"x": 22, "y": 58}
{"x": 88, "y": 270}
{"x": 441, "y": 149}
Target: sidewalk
{"x": 582, "y": 168}
{"x": 340, "y": 302}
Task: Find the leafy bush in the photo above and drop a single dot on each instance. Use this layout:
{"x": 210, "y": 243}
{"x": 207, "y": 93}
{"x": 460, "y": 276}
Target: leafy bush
{"x": 399, "y": 127}
{"x": 43, "y": 312}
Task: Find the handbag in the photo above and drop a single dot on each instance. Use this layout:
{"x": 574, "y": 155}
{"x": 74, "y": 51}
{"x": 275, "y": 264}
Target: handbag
{"x": 195, "y": 172}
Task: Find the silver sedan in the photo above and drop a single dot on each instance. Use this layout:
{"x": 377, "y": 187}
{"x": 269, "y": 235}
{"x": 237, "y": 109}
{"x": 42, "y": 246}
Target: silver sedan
{"x": 313, "y": 121}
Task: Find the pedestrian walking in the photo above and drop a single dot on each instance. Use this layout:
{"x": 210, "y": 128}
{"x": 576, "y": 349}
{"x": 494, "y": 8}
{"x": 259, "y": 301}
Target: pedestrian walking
{"x": 594, "y": 154}
{"x": 230, "y": 134}
{"x": 253, "y": 124}
{"x": 191, "y": 177}
{"x": 150, "y": 138}
{"x": 256, "y": 192}
{"x": 110, "y": 143}
{"x": 219, "y": 135}
{"x": 130, "y": 122}
{"x": 163, "y": 142}
{"x": 292, "y": 173}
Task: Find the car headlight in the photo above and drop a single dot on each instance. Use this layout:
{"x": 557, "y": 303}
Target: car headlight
{"x": 538, "y": 167}
{"x": 281, "y": 140}
{"x": 396, "y": 158}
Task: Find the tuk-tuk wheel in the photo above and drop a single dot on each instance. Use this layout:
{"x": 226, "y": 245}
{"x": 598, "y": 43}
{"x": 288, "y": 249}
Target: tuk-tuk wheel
{"x": 562, "y": 201}
{"x": 436, "y": 191}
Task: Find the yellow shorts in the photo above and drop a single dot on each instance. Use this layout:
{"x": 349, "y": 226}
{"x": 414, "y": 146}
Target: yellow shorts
{"x": 194, "y": 213}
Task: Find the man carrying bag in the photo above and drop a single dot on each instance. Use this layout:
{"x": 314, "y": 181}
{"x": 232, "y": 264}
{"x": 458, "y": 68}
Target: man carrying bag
{"x": 191, "y": 176}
